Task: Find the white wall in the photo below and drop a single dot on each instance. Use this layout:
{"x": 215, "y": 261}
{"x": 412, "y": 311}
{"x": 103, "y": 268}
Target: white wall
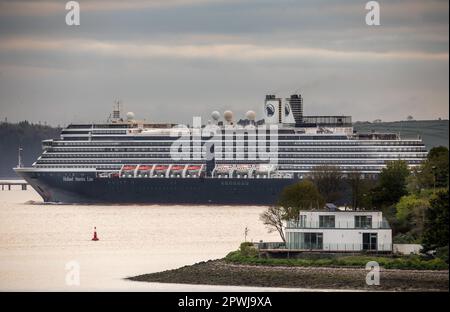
{"x": 407, "y": 249}
{"x": 343, "y": 219}
{"x": 353, "y": 239}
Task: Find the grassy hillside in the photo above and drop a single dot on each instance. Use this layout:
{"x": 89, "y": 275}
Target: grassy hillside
{"x": 26, "y": 135}
{"x": 432, "y": 132}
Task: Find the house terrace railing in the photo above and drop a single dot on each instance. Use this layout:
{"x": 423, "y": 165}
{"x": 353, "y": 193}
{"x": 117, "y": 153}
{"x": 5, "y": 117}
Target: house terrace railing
{"x": 339, "y": 247}
{"x": 337, "y": 225}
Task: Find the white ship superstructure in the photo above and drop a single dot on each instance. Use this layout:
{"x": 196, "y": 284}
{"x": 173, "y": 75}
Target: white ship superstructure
{"x": 303, "y": 142}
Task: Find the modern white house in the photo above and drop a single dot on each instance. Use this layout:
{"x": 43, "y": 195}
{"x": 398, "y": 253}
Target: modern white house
{"x": 339, "y": 231}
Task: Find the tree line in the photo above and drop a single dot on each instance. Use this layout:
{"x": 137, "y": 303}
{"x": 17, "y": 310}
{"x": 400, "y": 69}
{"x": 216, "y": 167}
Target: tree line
{"x": 27, "y": 135}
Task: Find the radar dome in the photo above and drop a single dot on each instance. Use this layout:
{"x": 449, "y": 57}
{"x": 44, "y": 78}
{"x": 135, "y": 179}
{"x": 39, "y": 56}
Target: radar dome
{"x": 215, "y": 115}
{"x": 228, "y": 116}
{"x": 250, "y": 115}
{"x": 130, "y": 116}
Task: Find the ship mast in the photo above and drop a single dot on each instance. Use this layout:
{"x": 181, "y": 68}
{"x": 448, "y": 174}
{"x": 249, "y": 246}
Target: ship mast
{"x": 115, "y": 117}
{"x": 20, "y": 164}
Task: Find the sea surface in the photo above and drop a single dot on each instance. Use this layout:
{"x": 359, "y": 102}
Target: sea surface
{"x": 38, "y": 240}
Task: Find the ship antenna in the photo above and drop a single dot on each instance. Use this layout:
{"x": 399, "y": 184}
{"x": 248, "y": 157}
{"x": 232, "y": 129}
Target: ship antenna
{"x": 20, "y": 164}
{"x": 116, "y": 112}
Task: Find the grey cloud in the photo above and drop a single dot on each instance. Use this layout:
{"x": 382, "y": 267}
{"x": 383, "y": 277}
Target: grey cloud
{"x": 162, "y": 62}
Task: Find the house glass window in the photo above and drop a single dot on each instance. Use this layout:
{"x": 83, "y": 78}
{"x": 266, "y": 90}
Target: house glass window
{"x": 312, "y": 240}
{"x": 296, "y": 240}
{"x": 326, "y": 221}
{"x": 363, "y": 222}
{"x": 302, "y": 221}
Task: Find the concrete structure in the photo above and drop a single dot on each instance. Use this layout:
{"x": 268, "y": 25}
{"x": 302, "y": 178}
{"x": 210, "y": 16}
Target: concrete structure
{"x": 339, "y": 231}
{"x": 10, "y": 183}
{"x": 407, "y": 249}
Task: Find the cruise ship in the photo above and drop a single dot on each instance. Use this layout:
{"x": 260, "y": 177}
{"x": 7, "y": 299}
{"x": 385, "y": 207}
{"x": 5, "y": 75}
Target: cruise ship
{"x": 222, "y": 161}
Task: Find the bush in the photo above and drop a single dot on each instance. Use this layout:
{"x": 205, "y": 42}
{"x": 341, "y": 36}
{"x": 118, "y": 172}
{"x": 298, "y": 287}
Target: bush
{"x": 405, "y": 238}
{"x": 442, "y": 253}
{"x": 247, "y": 254}
{"x": 247, "y": 249}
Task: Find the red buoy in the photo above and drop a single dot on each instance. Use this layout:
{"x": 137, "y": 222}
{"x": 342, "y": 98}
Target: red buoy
{"x": 95, "y": 238}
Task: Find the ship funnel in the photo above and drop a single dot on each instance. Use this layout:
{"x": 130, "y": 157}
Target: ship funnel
{"x": 296, "y": 102}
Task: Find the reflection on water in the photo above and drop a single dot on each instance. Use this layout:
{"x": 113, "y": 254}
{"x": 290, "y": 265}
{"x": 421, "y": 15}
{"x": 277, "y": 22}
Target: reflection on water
{"x": 37, "y": 240}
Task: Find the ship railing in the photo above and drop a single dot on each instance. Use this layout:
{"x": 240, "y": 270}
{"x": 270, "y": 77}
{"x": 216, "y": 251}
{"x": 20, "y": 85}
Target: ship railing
{"x": 253, "y": 176}
{"x": 161, "y": 174}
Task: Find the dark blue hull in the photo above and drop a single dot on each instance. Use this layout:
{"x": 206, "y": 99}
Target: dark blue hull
{"x": 67, "y": 187}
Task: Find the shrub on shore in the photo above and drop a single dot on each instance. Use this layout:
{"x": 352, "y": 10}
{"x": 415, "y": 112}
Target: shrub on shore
{"x": 247, "y": 249}
{"x": 404, "y": 263}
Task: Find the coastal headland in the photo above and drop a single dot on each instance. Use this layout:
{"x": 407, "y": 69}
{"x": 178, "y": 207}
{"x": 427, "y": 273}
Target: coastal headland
{"x": 225, "y": 272}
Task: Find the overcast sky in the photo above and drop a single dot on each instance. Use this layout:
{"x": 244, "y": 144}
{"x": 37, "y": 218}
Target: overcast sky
{"x": 168, "y": 60}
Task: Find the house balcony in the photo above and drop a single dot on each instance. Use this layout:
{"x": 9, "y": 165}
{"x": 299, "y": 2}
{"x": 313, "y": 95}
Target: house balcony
{"x": 337, "y": 225}
{"x": 293, "y": 248}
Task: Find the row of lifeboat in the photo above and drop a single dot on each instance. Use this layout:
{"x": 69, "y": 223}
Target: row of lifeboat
{"x": 161, "y": 170}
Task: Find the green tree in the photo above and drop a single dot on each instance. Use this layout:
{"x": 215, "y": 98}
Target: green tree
{"x": 361, "y": 190}
{"x": 329, "y": 182}
{"x": 410, "y": 212}
{"x": 438, "y": 161}
{"x": 392, "y": 184}
{"x": 303, "y": 195}
{"x": 432, "y": 173}
{"x": 413, "y": 183}
{"x": 436, "y": 231}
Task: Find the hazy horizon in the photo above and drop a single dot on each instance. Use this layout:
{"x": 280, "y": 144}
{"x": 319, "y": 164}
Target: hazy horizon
{"x": 171, "y": 60}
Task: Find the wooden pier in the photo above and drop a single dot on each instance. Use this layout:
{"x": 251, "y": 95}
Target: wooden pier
{"x": 8, "y": 184}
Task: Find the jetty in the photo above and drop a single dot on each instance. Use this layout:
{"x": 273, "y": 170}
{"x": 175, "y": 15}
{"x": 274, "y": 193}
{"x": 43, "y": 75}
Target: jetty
{"x": 8, "y": 184}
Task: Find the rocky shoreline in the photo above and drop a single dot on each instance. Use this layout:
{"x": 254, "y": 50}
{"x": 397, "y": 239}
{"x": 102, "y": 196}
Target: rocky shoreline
{"x": 221, "y": 272}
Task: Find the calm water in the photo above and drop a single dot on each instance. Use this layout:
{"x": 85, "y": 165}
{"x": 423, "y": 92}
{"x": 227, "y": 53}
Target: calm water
{"x": 37, "y": 240}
